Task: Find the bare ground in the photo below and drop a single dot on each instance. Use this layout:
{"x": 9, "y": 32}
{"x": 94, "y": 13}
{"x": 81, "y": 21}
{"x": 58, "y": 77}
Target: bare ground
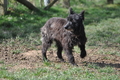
{"x": 33, "y": 59}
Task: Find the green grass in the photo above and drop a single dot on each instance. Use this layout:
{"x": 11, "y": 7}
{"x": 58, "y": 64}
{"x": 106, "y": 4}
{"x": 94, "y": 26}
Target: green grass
{"x": 21, "y": 30}
{"x": 76, "y": 73}
{"x": 104, "y": 33}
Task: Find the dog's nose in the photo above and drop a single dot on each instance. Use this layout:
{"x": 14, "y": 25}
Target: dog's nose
{"x": 65, "y": 27}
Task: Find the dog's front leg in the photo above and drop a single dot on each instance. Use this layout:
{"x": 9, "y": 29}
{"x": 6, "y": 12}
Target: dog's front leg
{"x": 83, "y": 51}
{"x": 70, "y": 56}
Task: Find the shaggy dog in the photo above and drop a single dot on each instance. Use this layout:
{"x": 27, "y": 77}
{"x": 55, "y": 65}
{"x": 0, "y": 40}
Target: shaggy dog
{"x": 66, "y": 33}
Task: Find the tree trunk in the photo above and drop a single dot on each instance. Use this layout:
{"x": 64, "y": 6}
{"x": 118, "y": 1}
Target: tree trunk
{"x": 28, "y": 5}
{"x": 51, "y": 4}
{"x": 46, "y": 2}
{"x": 66, "y": 3}
{"x": 110, "y": 1}
{"x": 41, "y": 3}
{"x": 3, "y": 7}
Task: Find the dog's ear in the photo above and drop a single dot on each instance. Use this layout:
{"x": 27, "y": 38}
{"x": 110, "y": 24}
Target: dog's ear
{"x": 71, "y": 11}
{"x": 82, "y": 14}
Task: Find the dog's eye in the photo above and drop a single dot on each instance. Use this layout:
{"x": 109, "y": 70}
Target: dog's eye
{"x": 69, "y": 19}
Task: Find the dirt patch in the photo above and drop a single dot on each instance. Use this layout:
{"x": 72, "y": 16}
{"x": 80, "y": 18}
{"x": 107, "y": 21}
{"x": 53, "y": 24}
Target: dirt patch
{"x": 33, "y": 59}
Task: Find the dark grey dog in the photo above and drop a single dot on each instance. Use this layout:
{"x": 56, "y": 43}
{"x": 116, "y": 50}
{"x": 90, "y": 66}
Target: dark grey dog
{"x": 66, "y": 33}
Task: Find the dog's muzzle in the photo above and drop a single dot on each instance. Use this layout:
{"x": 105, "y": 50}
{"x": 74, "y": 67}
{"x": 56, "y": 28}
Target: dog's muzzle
{"x": 68, "y": 27}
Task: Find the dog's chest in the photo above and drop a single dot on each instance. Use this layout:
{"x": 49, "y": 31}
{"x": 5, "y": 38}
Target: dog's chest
{"x": 74, "y": 41}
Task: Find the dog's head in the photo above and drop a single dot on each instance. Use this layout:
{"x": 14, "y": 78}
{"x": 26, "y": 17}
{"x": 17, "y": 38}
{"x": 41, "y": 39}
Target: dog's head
{"x": 74, "y": 21}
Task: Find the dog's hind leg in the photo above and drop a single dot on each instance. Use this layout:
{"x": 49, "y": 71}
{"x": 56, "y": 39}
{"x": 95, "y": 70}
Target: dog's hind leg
{"x": 44, "y": 50}
{"x": 45, "y": 45}
{"x": 59, "y": 51}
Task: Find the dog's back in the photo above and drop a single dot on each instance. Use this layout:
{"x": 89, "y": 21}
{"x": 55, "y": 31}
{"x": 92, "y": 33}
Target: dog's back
{"x": 53, "y": 28}
{"x": 54, "y": 23}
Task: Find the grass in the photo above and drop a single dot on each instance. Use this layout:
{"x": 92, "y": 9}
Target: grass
{"x": 20, "y": 32}
{"x": 76, "y": 73}
{"x": 107, "y": 32}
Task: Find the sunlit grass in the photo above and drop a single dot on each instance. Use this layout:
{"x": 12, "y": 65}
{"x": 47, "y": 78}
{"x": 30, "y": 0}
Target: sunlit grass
{"x": 20, "y": 32}
{"x": 76, "y": 73}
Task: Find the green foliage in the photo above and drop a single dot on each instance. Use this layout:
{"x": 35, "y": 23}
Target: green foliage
{"x": 105, "y": 33}
{"x": 106, "y": 70}
{"x": 75, "y": 73}
{"x": 47, "y": 63}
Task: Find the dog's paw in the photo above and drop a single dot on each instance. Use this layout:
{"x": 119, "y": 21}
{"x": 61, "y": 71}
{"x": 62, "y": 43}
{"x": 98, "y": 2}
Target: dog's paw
{"x": 62, "y": 60}
{"x": 46, "y": 60}
{"x": 75, "y": 64}
{"x": 82, "y": 55}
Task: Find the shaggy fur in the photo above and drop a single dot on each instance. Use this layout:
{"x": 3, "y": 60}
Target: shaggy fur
{"x": 66, "y": 33}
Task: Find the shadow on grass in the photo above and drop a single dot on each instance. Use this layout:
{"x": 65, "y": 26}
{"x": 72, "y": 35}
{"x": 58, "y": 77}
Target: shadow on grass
{"x": 21, "y": 22}
{"x": 115, "y": 65}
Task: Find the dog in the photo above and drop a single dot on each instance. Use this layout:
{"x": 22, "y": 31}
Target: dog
{"x": 66, "y": 33}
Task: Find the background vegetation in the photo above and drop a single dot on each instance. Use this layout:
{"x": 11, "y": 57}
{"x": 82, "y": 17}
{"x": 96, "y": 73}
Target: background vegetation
{"x": 20, "y": 31}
